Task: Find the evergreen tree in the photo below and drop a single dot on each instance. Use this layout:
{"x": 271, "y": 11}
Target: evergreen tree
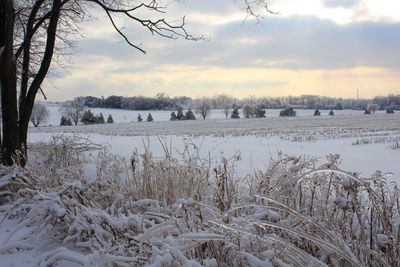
{"x": 173, "y": 116}
{"x": 180, "y": 115}
{"x": 190, "y": 115}
{"x": 259, "y": 112}
{"x": 287, "y": 112}
{"x": 100, "y": 119}
{"x": 68, "y": 122}
{"x": 110, "y": 119}
{"x": 139, "y": 118}
{"x": 235, "y": 113}
{"x": 389, "y": 111}
{"x": 331, "y": 113}
{"x": 88, "y": 118}
{"x": 63, "y": 121}
{"x": 317, "y": 112}
{"x": 149, "y": 117}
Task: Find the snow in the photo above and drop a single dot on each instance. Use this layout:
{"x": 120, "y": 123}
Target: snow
{"x": 120, "y": 115}
{"x": 255, "y": 152}
{"x": 166, "y": 232}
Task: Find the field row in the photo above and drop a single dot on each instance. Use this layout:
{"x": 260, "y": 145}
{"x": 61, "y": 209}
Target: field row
{"x": 294, "y": 128}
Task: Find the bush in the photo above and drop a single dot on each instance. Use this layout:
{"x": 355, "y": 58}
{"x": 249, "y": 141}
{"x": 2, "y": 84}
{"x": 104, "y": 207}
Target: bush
{"x": 173, "y": 116}
{"x": 317, "y": 112}
{"x": 190, "y": 115}
{"x": 331, "y": 113}
{"x": 88, "y": 118}
{"x": 149, "y": 117}
{"x": 259, "y": 112}
{"x": 110, "y": 119}
{"x": 288, "y": 112}
{"x": 139, "y": 118}
{"x": 180, "y": 115}
{"x": 235, "y": 113}
{"x": 157, "y": 211}
{"x": 100, "y": 119}
{"x": 390, "y": 111}
{"x": 367, "y": 112}
{"x": 65, "y": 121}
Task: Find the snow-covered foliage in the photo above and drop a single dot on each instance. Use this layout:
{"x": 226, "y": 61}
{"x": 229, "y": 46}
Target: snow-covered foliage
{"x": 169, "y": 212}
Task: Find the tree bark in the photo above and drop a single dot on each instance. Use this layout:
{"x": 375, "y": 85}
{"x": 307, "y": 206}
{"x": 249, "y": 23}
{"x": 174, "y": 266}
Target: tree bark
{"x": 27, "y": 102}
{"x": 10, "y": 143}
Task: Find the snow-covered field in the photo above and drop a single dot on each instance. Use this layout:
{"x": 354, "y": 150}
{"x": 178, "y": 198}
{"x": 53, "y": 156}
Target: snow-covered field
{"x": 363, "y": 141}
{"x": 120, "y": 115}
{"x": 214, "y": 192}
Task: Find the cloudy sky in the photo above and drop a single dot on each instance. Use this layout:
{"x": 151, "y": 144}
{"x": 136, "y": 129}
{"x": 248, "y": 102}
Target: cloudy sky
{"x": 324, "y": 47}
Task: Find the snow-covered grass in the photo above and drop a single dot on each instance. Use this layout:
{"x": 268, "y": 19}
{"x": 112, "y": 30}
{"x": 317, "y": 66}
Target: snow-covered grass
{"x": 364, "y": 142}
{"x": 182, "y": 211}
{"x": 214, "y": 192}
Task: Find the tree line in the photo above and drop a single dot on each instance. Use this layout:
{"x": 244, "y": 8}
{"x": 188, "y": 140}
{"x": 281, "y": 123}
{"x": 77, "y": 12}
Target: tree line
{"x": 226, "y": 102}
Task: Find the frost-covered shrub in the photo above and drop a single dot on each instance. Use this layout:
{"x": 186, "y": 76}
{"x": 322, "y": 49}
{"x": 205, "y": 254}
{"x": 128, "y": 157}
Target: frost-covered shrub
{"x": 169, "y": 212}
{"x": 287, "y": 112}
{"x": 149, "y": 117}
{"x": 88, "y": 117}
{"x": 235, "y": 113}
{"x": 110, "y": 119}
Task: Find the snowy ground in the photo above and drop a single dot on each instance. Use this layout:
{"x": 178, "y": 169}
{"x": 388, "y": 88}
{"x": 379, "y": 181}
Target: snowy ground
{"x": 70, "y": 220}
{"x": 362, "y": 141}
{"x": 120, "y": 115}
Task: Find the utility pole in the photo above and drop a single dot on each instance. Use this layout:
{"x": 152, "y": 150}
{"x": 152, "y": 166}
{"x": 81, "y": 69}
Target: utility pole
{"x": 357, "y": 94}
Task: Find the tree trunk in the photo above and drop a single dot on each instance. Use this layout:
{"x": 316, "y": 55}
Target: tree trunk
{"x": 10, "y": 143}
{"x": 27, "y": 102}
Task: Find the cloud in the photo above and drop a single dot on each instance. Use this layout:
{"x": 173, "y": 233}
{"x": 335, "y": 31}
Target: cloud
{"x": 341, "y": 3}
{"x": 239, "y": 58}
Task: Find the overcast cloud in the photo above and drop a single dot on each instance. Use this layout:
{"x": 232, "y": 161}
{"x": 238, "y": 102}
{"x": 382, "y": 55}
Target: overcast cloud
{"x": 312, "y": 43}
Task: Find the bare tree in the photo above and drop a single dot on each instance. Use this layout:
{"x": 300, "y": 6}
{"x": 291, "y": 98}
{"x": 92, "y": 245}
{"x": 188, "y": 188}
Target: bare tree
{"x": 248, "y": 111}
{"x": 225, "y": 102}
{"x": 40, "y": 114}
{"x": 32, "y": 32}
{"x": 74, "y": 109}
{"x": 203, "y": 106}
{"x": 372, "y": 107}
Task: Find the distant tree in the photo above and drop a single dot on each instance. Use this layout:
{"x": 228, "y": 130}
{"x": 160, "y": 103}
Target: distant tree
{"x": 110, "y": 119}
{"x": 317, "y": 113}
{"x": 372, "y": 107}
{"x": 339, "y": 106}
{"x": 367, "y": 112}
{"x": 331, "y": 113}
{"x": 248, "y": 111}
{"x": 100, "y": 119}
{"x": 190, "y": 115}
{"x": 203, "y": 106}
{"x": 224, "y": 102}
{"x": 63, "y": 121}
{"x": 287, "y": 112}
{"x": 389, "y": 111}
{"x": 74, "y": 109}
{"x": 88, "y": 118}
{"x": 39, "y": 114}
{"x": 149, "y": 117}
{"x": 235, "y": 113}
{"x": 259, "y": 112}
{"x": 173, "y": 116}
{"x": 180, "y": 115}
{"x": 139, "y": 118}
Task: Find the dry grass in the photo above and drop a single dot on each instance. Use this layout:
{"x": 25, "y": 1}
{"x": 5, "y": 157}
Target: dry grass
{"x": 181, "y": 211}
